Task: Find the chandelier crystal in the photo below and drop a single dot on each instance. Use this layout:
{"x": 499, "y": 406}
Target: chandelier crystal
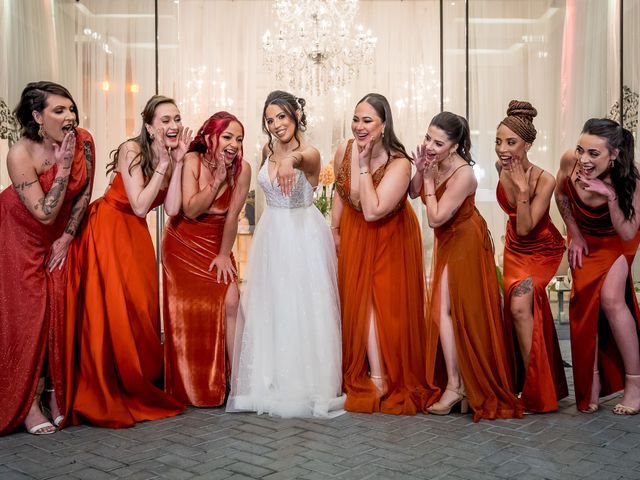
{"x": 316, "y": 49}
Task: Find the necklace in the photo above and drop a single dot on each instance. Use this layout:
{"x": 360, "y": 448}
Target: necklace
{"x": 440, "y": 175}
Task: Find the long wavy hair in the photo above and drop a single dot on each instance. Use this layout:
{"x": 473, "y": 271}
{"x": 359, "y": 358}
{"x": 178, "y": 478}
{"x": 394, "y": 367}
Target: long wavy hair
{"x": 390, "y": 141}
{"x": 457, "y": 130}
{"x": 214, "y": 126}
{"x": 143, "y": 139}
{"x": 624, "y": 173}
{"x": 34, "y": 98}
{"x": 290, "y": 105}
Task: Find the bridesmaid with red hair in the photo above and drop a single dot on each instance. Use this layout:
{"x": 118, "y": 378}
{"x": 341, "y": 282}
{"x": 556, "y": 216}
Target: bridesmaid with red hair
{"x": 532, "y": 253}
{"x": 200, "y": 277}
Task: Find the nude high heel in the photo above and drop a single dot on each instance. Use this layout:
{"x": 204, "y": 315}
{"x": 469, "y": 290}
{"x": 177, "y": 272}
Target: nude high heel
{"x": 440, "y": 408}
{"x": 621, "y": 409}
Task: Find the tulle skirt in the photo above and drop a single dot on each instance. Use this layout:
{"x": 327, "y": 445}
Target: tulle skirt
{"x": 288, "y": 345}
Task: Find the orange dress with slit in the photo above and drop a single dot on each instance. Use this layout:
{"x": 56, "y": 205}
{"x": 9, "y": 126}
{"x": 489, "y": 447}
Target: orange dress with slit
{"x": 464, "y": 246}
{"x": 380, "y": 266}
{"x": 32, "y": 297}
{"x": 113, "y": 349}
{"x": 590, "y": 331}
{"x": 536, "y": 255}
{"x": 194, "y": 308}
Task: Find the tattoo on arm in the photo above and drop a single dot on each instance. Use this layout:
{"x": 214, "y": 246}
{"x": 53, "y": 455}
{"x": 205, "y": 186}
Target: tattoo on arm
{"x": 50, "y": 201}
{"x": 80, "y": 206}
{"x": 523, "y": 288}
{"x": 565, "y": 208}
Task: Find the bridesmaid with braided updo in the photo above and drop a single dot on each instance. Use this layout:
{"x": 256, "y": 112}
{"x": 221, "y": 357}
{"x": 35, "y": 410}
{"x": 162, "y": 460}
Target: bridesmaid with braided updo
{"x": 532, "y": 253}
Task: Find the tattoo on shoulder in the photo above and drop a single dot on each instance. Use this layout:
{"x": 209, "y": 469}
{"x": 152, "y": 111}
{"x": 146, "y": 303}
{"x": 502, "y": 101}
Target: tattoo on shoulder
{"x": 523, "y": 288}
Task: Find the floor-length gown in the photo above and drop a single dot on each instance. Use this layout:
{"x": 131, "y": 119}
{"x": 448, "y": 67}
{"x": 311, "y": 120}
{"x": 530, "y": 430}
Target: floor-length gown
{"x": 587, "y": 321}
{"x": 32, "y": 297}
{"x": 288, "y": 360}
{"x": 194, "y": 308}
{"x": 536, "y": 255}
{"x": 464, "y": 246}
{"x": 380, "y": 266}
{"x": 113, "y": 345}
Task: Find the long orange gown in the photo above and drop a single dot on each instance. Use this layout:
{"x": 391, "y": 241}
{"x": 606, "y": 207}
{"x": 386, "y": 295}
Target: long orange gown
{"x": 113, "y": 349}
{"x": 464, "y": 246}
{"x": 194, "y": 308}
{"x": 380, "y": 265}
{"x": 538, "y": 256}
{"x": 586, "y": 319}
{"x": 32, "y": 297}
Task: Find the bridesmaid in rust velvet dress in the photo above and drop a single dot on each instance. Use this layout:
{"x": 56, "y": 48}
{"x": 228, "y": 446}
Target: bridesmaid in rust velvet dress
{"x": 200, "y": 279}
{"x": 599, "y": 199}
{"x": 51, "y": 170}
{"x": 532, "y": 253}
{"x": 113, "y": 349}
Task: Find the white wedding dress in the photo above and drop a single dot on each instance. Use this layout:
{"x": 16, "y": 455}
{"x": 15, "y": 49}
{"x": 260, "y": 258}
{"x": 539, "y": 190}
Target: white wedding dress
{"x": 288, "y": 354}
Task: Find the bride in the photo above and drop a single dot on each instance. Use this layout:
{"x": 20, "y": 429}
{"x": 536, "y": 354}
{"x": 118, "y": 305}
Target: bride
{"x": 288, "y": 362}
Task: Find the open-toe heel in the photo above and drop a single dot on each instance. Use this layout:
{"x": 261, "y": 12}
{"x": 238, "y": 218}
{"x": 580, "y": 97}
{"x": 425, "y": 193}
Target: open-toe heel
{"x": 621, "y": 409}
{"x": 441, "y": 408}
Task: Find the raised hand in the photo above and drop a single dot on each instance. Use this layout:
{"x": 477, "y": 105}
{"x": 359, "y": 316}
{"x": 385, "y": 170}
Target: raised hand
{"x": 63, "y": 154}
{"x": 185, "y": 135}
{"x": 519, "y": 176}
{"x": 597, "y": 186}
{"x": 219, "y": 172}
{"x": 364, "y": 153}
{"x": 420, "y": 156}
{"x": 159, "y": 149}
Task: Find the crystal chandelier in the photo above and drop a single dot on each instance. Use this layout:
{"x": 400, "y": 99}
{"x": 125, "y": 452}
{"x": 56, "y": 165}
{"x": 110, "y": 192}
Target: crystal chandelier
{"x": 315, "y": 49}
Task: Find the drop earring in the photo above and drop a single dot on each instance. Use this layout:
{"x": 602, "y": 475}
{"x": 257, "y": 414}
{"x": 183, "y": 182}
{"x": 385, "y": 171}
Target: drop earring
{"x": 41, "y": 133}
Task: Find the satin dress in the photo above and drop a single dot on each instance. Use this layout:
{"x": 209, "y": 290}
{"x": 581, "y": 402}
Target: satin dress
{"x": 32, "y": 297}
{"x": 196, "y": 361}
{"x": 536, "y": 255}
{"x": 587, "y": 321}
{"x": 380, "y": 266}
{"x": 464, "y": 246}
{"x": 113, "y": 348}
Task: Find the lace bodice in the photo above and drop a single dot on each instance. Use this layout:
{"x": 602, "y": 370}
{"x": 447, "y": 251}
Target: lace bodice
{"x": 301, "y": 196}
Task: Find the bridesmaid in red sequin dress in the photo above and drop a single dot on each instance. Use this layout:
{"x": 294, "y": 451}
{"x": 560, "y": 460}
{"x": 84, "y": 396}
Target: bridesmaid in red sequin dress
{"x": 599, "y": 199}
{"x": 200, "y": 280}
{"x": 532, "y": 253}
{"x": 51, "y": 169}
{"x": 113, "y": 349}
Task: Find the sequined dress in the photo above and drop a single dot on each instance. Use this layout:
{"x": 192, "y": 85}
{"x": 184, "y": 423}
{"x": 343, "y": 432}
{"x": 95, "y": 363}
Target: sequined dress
{"x": 288, "y": 355}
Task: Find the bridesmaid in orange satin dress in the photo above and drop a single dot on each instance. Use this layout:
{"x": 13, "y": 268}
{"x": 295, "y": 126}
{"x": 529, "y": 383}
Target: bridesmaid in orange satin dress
{"x": 380, "y": 268}
{"x": 51, "y": 170}
{"x": 467, "y": 356}
{"x": 113, "y": 349}
{"x": 200, "y": 279}
{"x": 599, "y": 199}
{"x": 532, "y": 253}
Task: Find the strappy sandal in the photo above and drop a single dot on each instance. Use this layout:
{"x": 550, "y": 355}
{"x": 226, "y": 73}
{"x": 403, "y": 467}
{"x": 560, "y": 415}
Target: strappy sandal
{"x": 621, "y": 409}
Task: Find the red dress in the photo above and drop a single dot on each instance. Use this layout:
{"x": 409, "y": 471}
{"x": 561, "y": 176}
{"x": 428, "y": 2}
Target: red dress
{"x": 586, "y": 318}
{"x": 113, "y": 349}
{"x": 194, "y": 308}
{"x": 31, "y": 297}
{"x": 536, "y": 255}
{"x": 380, "y": 263}
{"x": 464, "y": 246}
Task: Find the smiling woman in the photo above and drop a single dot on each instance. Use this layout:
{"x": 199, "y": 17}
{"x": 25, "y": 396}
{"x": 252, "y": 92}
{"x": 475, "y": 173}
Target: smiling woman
{"x": 113, "y": 349}
{"x": 598, "y": 194}
{"x": 51, "y": 170}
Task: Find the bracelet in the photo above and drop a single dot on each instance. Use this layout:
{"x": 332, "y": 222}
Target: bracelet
{"x": 430, "y": 194}
{"x": 334, "y": 228}
{"x": 523, "y": 201}
{"x": 613, "y": 199}
{"x": 159, "y": 172}
{"x": 365, "y": 172}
